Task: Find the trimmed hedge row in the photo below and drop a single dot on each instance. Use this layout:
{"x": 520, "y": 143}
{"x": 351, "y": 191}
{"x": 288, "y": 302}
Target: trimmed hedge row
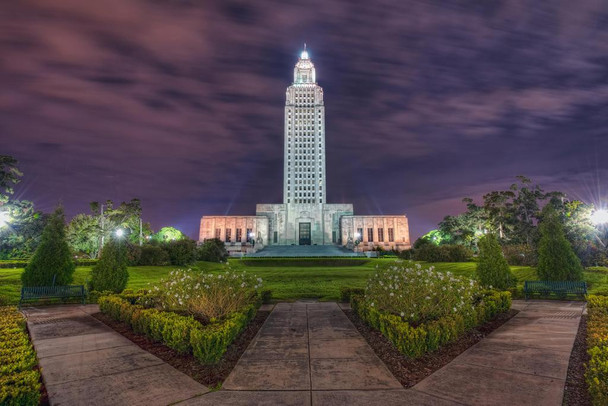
{"x": 304, "y": 262}
{"x": 23, "y": 263}
{"x": 346, "y": 292}
{"x": 19, "y": 382}
{"x": 184, "y": 334}
{"x": 417, "y": 341}
{"x": 597, "y": 347}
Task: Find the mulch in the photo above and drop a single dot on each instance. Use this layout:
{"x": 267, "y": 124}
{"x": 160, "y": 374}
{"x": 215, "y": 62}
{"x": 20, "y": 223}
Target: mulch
{"x": 411, "y": 371}
{"x": 208, "y": 375}
{"x": 575, "y": 391}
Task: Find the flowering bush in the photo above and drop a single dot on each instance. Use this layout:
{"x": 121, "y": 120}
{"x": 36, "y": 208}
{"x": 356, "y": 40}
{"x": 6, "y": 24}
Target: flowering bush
{"x": 420, "y": 295}
{"x": 210, "y": 297}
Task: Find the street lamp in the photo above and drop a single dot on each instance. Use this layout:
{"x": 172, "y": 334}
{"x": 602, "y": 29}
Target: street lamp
{"x": 3, "y": 219}
{"x": 599, "y": 217}
{"x": 120, "y": 232}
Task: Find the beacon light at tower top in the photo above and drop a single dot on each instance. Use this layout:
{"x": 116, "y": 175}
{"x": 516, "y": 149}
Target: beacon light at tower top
{"x": 599, "y": 217}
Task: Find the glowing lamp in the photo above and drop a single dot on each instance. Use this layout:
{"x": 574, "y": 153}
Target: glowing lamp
{"x": 357, "y": 235}
{"x": 599, "y": 217}
{"x": 304, "y": 54}
{"x": 3, "y": 218}
{"x": 120, "y": 232}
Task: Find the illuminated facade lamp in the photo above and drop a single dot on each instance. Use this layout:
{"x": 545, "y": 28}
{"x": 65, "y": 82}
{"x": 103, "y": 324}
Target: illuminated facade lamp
{"x": 599, "y": 217}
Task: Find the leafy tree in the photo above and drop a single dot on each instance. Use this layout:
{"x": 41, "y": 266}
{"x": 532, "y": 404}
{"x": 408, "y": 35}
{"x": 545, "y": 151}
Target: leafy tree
{"x": 21, "y": 236}
{"x": 181, "y": 252}
{"x": 83, "y": 234}
{"x": 167, "y": 234}
{"x": 492, "y": 268}
{"x": 9, "y": 176}
{"x": 213, "y": 250}
{"x": 437, "y": 237}
{"x": 556, "y": 258}
{"x": 53, "y": 258}
{"x": 111, "y": 272}
{"x": 466, "y": 228}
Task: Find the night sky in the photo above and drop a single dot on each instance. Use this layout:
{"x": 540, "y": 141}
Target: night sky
{"x": 180, "y": 103}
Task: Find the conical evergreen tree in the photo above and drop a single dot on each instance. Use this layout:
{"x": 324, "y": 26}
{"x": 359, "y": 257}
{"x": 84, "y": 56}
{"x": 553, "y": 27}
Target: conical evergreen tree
{"x": 111, "y": 271}
{"x": 52, "y": 258}
{"x": 492, "y": 268}
{"x": 556, "y": 258}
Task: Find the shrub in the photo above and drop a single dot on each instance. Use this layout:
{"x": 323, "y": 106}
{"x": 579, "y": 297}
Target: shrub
{"x": 266, "y": 296}
{"x": 153, "y": 255}
{"x": 520, "y": 255}
{"x": 442, "y": 253}
{"x": 213, "y": 250}
{"x": 596, "y": 374}
{"x": 492, "y": 268}
{"x": 19, "y": 382}
{"x": 133, "y": 254}
{"x": 556, "y": 258}
{"x": 415, "y": 341}
{"x": 181, "y": 252}
{"x": 207, "y": 296}
{"x": 52, "y": 261}
{"x": 420, "y": 295}
{"x": 346, "y": 292}
{"x": 111, "y": 272}
{"x": 208, "y": 343}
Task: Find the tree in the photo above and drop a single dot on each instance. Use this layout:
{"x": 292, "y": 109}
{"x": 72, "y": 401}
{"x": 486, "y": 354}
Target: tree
{"x": 111, "y": 271}
{"x": 83, "y": 234}
{"x": 167, "y": 234}
{"x": 126, "y": 216}
{"x": 213, "y": 250}
{"x": 52, "y": 261}
{"x": 492, "y": 268}
{"x": 181, "y": 252}
{"x": 9, "y": 176}
{"x": 556, "y": 258}
{"x": 20, "y": 238}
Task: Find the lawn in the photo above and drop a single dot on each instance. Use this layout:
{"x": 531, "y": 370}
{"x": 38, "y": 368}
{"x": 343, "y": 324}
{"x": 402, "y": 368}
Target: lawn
{"x": 293, "y": 282}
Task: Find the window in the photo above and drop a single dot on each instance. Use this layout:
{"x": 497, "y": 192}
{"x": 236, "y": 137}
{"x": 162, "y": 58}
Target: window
{"x": 391, "y": 234}
{"x": 228, "y": 232}
{"x": 275, "y": 238}
{"x": 218, "y": 233}
{"x": 333, "y": 236}
{"x": 249, "y": 237}
{"x": 370, "y": 234}
{"x": 359, "y": 235}
{"x": 239, "y": 234}
{"x": 381, "y": 235}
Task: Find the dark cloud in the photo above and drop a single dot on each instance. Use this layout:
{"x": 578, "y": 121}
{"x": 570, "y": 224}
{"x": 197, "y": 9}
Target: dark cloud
{"x": 180, "y": 103}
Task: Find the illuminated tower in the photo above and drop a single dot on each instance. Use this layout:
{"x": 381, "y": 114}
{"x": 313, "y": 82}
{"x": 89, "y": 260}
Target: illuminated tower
{"x": 304, "y": 163}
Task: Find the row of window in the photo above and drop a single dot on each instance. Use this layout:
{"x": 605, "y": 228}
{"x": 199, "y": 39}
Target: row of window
{"x": 379, "y": 234}
{"x": 309, "y": 201}
{"x": 238, "y": 235}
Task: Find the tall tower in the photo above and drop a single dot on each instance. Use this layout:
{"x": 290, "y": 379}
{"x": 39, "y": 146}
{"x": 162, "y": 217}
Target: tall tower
{"x": 304, "y": 163}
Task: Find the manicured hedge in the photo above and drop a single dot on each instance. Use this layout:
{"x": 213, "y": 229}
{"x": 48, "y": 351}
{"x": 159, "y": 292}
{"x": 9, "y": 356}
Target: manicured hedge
{"x": 4, "y": 264}
{"x": 304, "y": 262}
{"x": 19, "y": 382}
{"x": 346, "y": 292}
{"x": 184, "y": 334}
{"x": 427, "y": 337}
{"x": 597, "y": 347}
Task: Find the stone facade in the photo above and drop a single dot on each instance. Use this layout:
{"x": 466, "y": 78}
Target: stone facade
{"x": 304, "y": 218}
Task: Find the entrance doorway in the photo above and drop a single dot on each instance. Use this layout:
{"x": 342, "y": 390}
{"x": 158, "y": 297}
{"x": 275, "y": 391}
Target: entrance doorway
{"x": 304, "y": 233}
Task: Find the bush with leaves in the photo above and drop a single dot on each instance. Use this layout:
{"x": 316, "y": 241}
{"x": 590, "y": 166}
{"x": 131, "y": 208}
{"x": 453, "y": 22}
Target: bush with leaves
{"x": 213, "y": 250}
{"x": 111, "y": 271}
{"x": 556, "y": 258}
{"x": 492, "y": 268}
{"x": 181, "y": 252}
{"x": 153, "y": 255}
{"x": 52, "y": 260}
{"x": 520, "y": 254}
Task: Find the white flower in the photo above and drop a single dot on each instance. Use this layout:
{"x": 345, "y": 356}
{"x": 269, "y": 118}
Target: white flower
{"x": 402, "y": 314}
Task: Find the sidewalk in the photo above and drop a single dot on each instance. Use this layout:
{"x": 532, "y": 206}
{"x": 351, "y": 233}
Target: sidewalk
{"x": 84, "y": 362}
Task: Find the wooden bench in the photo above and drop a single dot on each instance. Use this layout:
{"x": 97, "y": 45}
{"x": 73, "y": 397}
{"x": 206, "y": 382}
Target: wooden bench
{"x": 34, "y": 293}
{"x": 560, "y": 288}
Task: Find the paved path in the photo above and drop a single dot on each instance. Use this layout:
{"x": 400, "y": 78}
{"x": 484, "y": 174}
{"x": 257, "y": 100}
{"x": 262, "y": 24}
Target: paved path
{"x": 84, "y": 362}
{"x": 310, "y": 354}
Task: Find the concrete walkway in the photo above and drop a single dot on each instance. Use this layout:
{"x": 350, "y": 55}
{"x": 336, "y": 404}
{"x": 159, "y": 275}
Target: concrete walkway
{"x": 84, "y": 362}
{"x": 310, "y": 354}
{"x": 307, "y": 354}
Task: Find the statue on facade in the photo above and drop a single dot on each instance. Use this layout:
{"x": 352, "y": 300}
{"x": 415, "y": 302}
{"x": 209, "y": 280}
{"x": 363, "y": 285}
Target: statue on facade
{"x": 259, "y": 242}
{"x": 349, "y": 242}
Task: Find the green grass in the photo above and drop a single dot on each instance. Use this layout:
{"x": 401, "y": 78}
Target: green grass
{"x": 291, "y": 283}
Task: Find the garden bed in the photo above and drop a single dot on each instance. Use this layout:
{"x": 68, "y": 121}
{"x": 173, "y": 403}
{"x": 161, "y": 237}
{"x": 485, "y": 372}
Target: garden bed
{"x": 575, "y": 391}
{"x": 208, "y": 375}
{"x": 410, "y": 371}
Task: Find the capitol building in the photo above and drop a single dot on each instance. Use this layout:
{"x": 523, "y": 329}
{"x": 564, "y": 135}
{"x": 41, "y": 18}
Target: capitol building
{"x": 305, "y": 217}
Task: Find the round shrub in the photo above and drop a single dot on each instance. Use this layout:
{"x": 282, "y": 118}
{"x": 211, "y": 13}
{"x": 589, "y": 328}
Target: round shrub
{"x": 52, "y": 261}
{"x": 492, "y": 268}
{"x": 111, "y": 272}
{"x": 153, "y": 255}
{"x": 213, "y": 250}
{"x": 181, "y": 252}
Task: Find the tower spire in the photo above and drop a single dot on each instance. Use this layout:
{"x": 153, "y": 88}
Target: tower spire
{"x": 304, "y": 54}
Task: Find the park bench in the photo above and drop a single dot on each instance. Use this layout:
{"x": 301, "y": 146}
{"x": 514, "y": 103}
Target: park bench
{"x": 560, "y": 288}
{"x": 34, "y": 293}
